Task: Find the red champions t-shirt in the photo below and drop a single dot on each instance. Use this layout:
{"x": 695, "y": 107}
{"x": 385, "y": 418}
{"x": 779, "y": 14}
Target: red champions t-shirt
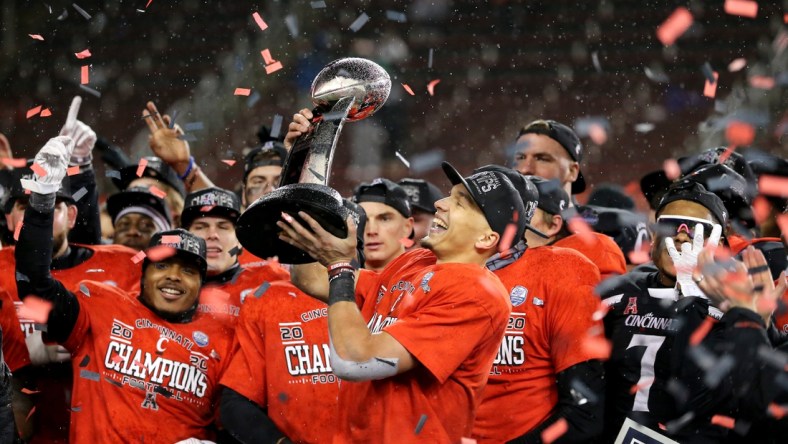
{"x": 451, "y": 318}
{"x": 226, "y": 299}
{"x": 601, "y": 249}
{"x": 139, "y": 378}
{"x": 552, "y": 294}
{"x": 281, "y": 362}
{"x": 111, "y": 264}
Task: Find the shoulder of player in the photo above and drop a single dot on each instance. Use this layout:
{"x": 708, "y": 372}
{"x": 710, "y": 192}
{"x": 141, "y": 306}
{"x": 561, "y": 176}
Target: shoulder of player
{"x": 277, "y": 296}
{"x": 98, "y": 293}
{"x": 110, "y": 250}
{"x": 414, "y": 258}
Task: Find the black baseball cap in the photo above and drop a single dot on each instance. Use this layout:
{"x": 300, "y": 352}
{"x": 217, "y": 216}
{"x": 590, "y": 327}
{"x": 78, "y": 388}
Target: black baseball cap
{"x": 216, "y": 202}
{"x": 422, "y": 194}
{"x": 384, "y": 191}
{"x": 565, "y": 137}
{"x": 16, "y": 191}
{"x": 730, "y": 187}
{"x": 692, "y": 191}
{"x": 140, "y": 200}
{"x": 654, "y": 185}
{"x": 495, "y": 195}
{"x": 188, "y": 246}
{"x": 525, "y": 188}
{"x": 552, "y": 197}
{"x": 712, "y": 156}
{"x": 155, "y": 169}
{"x": 270, "y": 153}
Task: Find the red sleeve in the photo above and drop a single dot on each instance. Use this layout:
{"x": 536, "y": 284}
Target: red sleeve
{"x": 570, "y": 310}
{"x": 14, "y": 347}
{"x": 443, "y": 332}
{"x": 246, "y": 372}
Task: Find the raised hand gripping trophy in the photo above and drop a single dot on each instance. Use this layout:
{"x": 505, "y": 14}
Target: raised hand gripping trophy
{"x": 347, "y": 89}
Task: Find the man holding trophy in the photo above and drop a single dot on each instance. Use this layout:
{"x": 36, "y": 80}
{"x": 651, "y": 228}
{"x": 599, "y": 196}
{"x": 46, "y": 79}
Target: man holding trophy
{"x": 414, "y": 349}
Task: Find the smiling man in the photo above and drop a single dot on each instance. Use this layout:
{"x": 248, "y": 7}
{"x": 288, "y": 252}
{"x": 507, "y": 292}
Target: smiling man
{"x": 211, "y": 214}
{"x": 422, "y": 340}
{"x": 147, "y": 367}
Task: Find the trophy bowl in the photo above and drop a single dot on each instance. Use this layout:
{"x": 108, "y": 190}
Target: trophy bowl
{"x": 366, "y": 81}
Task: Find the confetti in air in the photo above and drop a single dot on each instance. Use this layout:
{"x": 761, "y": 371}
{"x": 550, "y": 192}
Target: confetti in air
{"x": 242, "y": 91}
{"x": 259, "y": 20}
{"x": 674, "y": 26}
{"x": 359, "y": 22}
{"x": 431, "y": 86}
{"x": 710, "y": 88}
{"x": 408, "y": 89}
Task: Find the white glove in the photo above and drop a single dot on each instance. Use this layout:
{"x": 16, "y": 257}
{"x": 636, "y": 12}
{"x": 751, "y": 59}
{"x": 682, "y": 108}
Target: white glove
{"x": 53, "y": 159}
{"x": 686, "y": 261}
{"x": 84, "y": 137}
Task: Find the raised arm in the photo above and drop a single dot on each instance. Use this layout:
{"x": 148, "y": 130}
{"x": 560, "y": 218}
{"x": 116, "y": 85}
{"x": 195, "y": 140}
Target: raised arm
{"x": 87, "y": 229}
{"x": 166, "y": 143}
{"x": 33, "y": 252}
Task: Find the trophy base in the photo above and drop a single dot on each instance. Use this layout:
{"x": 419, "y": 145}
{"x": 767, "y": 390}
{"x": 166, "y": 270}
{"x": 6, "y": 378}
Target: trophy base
{"x": 257, "y": 230}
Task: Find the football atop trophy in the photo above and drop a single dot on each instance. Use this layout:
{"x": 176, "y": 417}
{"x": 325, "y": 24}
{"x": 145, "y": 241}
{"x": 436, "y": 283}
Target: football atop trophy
{"x": 348, "y": 89}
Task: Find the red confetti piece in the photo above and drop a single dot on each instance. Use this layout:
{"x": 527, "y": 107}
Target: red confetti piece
{"x": 137, "y": 258}
{"x": 159, "y": 253}
{"x": 83, "y": 54}
{"x": 597, "y": 133}
{"x": 33, "y": 111}
{"x": 18, "y": 230}
{"x": 117, "y": 358}
{"x": 580, "y": 227}
{"x": 267, "y": 56}
{"x": 406, "y": 242}
{"x": 726, "y": 154}
{"x": 272, "y": 68}
{"x": 259, "y": 20}
{"x": 737, "y": 65}
{"x": 242, "y": 91}
{"x": 723, "y": 421}
{"x": 19, "y": 162}
{"x": 36, "y": 37}
{"x": 508, "y": 238}
{"x": 638, "y": 257}
{"x": 762, "y": 82}
{"x": 46, "y": 113}
{"x": 34, "y": 309}
{"x": 148, "y": 4}
{"x": 634, "y": 389}
{"x": 141, "y": 166}
{"x": 27, "y": 418}
{"x": 761, "y": 209}
{"x": 158, "y": 192}
{"x": 72, "y": 170}
{"x": 171, "y": 239}
{"x": 672, "y": 169}
{"x": 597, "y": 346}
{"x": 782, "y": 222}
{"x": 742, "y": 8}
{"x": 431, "y": 86}
{"x": 407, "y": 88}
{"x": 465, "y": 440}
{"x": 27, "y": 391}
{"x": 710, "y": 89}
{"x": 207, "y": 208}
{"x": 776, "y": 411}
{"x": 674, "y": 26}
{"x": 773, "y": 185}
{"x": 554, "y": 431}
{"x": 85, "y": 75}
{"x": 703, "y": 329}
{"x": 229, "y": 161}
{"x": 739, "y": 133}
{"x": 38, "y": 169}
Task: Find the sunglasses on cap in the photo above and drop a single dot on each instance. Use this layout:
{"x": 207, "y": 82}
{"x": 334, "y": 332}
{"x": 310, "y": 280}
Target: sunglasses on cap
{"x": 673, "y": 225}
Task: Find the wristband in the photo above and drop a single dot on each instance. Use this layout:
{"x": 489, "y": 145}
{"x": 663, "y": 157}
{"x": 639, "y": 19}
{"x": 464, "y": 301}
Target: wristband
{"x": 188, "y": 169}
{"x": 338, "y": 265}
{"x": 342, "y": 288}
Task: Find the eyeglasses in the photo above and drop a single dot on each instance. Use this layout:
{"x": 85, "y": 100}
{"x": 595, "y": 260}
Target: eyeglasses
{"x": 673, "y": 225}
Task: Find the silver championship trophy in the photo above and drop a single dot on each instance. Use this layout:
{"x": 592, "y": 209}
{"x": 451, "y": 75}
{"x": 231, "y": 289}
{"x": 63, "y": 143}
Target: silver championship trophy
{"x": 347, "y": 89}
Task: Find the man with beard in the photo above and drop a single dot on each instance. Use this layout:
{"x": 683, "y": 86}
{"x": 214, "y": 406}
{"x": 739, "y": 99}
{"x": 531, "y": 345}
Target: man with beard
{"x": 149, "y": 365}
{"x": 137, "y": 214}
